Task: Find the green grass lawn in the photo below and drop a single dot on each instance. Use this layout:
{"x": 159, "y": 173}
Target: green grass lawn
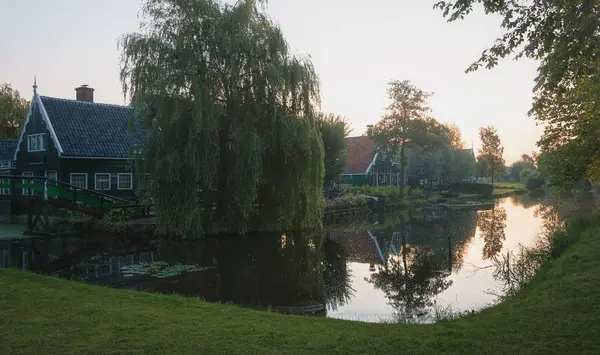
{"x": 557, "y": 313}
{"x": 503, "y": 187}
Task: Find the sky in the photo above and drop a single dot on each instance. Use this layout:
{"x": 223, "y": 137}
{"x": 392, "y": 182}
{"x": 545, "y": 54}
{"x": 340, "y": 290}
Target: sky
{"x": 356, "y": 46}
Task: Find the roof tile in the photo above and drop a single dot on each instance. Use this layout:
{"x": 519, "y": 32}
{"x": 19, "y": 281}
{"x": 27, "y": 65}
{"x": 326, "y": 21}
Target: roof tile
{"x": 360, "y": 154}
{"x": 89, "y": 129}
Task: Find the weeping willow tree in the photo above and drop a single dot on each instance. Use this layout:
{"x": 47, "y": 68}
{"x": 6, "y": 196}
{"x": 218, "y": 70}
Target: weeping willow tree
{"x": 230, "y": 114}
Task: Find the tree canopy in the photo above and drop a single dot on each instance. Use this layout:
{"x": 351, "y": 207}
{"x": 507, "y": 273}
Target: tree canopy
{"x": 231, "y": 117}
{"x": 407, "y": 123}
{"x": 565, "y": 37}
{"x": 490, "y": 154}
{"x": 334, "y": 130}
{"x": 13, "y": 111}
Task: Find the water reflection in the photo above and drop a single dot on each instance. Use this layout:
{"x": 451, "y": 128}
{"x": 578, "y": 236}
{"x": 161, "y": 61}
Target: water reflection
{"x": 491, "y": 224}
{"x": 394, "y": 266}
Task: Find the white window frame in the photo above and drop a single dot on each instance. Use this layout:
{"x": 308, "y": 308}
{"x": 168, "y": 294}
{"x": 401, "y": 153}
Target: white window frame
{"x": 71, "y": 179}
{"x": 5, "y": 190}
{"x": 27, "y": 192}
{"x": 51, "y": 171}
{"x": 96, "y": 181}
{"x": 119, "y": 181}
{"x": 41, "y": 142}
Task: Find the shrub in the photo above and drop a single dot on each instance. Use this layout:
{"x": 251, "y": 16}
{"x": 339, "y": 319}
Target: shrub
{"x": 120, "y": 215}
{"x": 389, "y": 192}
{"x": 347, "y": 201}
{"x": 534, "y": 181}
{"x": 524, "y": 174}
{"x": 472, "y": 188}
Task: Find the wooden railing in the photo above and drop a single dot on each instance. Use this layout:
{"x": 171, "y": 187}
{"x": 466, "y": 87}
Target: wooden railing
{"x": 54, "y": 189}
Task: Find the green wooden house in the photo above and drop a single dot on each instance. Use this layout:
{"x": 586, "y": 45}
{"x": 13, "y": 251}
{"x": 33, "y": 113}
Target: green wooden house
{"x": 80, "y": 142}
{"x": 368, "y": 165}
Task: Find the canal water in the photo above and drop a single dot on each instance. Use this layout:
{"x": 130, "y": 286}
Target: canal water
{"x": 393, "y": 267}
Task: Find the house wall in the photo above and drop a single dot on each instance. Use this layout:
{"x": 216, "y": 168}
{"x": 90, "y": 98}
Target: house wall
{"x": 37, "y": 162}
{"x": 94, "y": 166}
{"x": 356, "y": 180}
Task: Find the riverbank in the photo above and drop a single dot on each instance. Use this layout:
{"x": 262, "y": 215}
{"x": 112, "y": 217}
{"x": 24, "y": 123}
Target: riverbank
{"x": 556, "y": 312}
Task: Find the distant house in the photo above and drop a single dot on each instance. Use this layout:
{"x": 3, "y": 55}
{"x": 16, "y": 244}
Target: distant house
{"x": 365, "y": 165}
{"x": 80, "y": 142}
{"x": 7, "y": 164}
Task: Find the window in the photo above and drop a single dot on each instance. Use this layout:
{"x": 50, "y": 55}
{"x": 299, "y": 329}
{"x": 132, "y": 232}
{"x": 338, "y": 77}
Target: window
{"x": 79, "y": 180}
{"x": 102, "y": 182}
{"x": 5, "y": 190}
{"x": 35, "y": 142}
{"x": 125, "y": 181}
{"x": 27, "y": 192}
{"x": 52, "y": 174}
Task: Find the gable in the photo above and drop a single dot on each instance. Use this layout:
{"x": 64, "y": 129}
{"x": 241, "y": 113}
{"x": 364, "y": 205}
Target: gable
{"x": 38, "y": 116}
{"x": 95, "y": 130}
{"x": 359, "y": 155}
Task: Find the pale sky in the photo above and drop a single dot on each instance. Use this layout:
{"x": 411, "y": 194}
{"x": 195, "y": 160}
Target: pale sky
{"x": 357, "y": 47}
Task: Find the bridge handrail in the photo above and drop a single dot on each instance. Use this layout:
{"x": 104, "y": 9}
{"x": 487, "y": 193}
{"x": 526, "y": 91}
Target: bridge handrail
{"x": 58, "y": 183}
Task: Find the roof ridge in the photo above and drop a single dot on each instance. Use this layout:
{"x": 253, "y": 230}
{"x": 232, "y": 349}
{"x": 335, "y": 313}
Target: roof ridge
{"x": 85, "y": 102}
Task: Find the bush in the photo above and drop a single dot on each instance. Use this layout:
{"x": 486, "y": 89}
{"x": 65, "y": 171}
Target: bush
{"x": 524, "y": 174}
{"x": 347, "y": 201}
{"x": 534, "y": 181}
{"x": 389, "y": 192}
{"x": 120, "y": 215}
{"x": 472, "y": 188}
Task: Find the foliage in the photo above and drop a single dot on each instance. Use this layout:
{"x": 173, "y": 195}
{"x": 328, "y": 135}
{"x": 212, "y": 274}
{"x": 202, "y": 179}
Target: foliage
{"x": 13, "y": 111}
{"x": 454, "y": 136}
{"x": 534, "y": 181}
{"x": 231, "y": 116}
{"x": 347, "y": 201}
{"x": 525, "y": 163}
{"x": 407, "y": 123}
{"x": 334, "y": 130}
{"x": 491, "y": 152}
{"x": 563, "y": 36}
{"x": 388, "y": 191}
{"x": 120, "y": 215}
{"x": 472, "y": 188}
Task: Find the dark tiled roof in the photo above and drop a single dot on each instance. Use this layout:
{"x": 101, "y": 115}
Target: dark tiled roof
{"x": 7, "y": 149}
{"x": 361, "y": 151}
{"x": 89, "y": 129}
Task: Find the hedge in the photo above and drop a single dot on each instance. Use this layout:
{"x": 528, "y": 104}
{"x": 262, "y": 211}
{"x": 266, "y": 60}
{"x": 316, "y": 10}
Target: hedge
{"x": 472, "y": 188}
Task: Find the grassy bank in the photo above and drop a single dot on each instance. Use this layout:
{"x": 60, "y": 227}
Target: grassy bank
{"x": 501, "y": 188}
{"x": 556, "y": 313}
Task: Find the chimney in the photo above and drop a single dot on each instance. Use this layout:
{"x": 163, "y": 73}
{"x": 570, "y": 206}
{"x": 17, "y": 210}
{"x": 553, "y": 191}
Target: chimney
{"x": 84, "y": 93}
{"x": 370, "y": 130}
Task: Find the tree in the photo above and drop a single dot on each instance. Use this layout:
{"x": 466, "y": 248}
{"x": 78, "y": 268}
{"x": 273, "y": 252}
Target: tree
{"x": 491, "y": 152}
{"x": 526, "y": 163}
{"x": 407, "y": 123}
{"x": 454, "y": 136}
{"x": 563, "y": 36}
{"x": 231, "y": 119}
{"x": 13, "y": 111}
{"x": 334, "y": 130}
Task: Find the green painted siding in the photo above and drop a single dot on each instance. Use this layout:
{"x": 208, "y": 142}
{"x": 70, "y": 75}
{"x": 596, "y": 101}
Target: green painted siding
{"x": 37, "y": 162}
{"x": 356, "y": 180}
{"x": 94, "y": 166}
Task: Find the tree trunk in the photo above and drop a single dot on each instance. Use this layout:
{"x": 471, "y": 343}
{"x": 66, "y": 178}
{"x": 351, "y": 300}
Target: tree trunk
{"x": 402, "y": 169}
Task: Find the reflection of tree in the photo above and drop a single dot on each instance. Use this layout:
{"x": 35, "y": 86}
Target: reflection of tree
{"x": 411, "y": 280}
{"x": 526, "y": 200}
{"x": 337, "y": 277}
{"x": 491, "y": 224}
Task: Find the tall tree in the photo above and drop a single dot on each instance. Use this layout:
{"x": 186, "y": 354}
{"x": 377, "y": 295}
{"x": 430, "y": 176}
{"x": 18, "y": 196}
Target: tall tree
{"x": 565, "y": 37}
{"x": 231, "y": 118}
{"x": 454, "y": 136}
{"x": 334, "y": 130}
{"x": 407, "y": 122}
{"x": 491, "y": 152}
{"x": 13, "y": 111}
